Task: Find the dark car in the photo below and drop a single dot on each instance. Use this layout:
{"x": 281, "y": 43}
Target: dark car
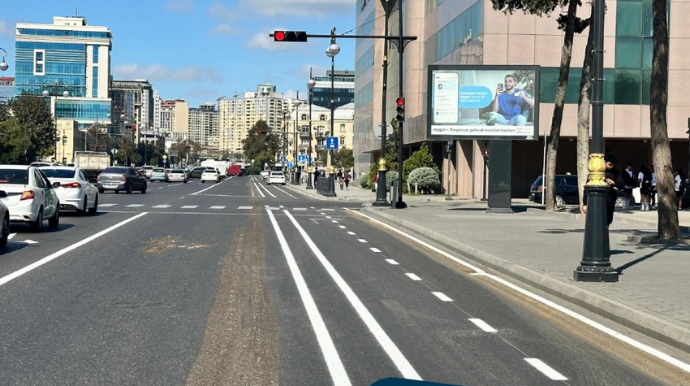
{"x": 565, "y": 190}
{"x": 197, "y": 171}
{"x": 117, "y": 178}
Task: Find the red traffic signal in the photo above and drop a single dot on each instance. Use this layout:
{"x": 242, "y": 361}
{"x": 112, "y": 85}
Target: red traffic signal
{"x": 289, "y": 36}
{"x": 400, "y": 102}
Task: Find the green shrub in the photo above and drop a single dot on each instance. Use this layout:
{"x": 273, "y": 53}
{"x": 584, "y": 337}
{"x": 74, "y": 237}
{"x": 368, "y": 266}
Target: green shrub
{"x": 419, "y": 159}
{"x": 425, "y": 178}
{"x": 364, "y": 181}
{"x": 390, "y": 177}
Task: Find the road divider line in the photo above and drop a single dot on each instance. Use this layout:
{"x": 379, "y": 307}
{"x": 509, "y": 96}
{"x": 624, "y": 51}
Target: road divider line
{"x": 330, "y": 354}
{"x": 483, "y": 325}
{"x": 375, "y": 250}
{"x": 266, "y": 190}
{"x": 375, "y": 328}
{"x": 203, "y": 190}
{"x": 49, "y": 258}
{"x": 546, "y": 369}
{"x": 392, "y": 262}
{"x": 413, "y": 276}
{"x": 259, "y": 189}
{"x": 442, "y": 296}
{"x": 286, "y": 193}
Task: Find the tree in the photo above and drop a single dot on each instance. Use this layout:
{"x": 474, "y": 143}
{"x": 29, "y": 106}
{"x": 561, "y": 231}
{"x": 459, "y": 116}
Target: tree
{"x": 583, "y": 108}
{"x": 343, "y": 158}
{"x": 667, "y": 213}
{"x": 419, "y": 159}
{"x": 13, "y": 142}
{"x": 33, "y": 117}
{"x": 261, "y": 141}
{"x": 569, "y": 23}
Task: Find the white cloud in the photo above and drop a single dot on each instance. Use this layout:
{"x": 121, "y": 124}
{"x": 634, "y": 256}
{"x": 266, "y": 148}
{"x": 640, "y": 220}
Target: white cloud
{"x": 303, "y": 8}
{"x": 225, "y": 29}
{"x": 163, "y": 73}
{"x": 6, "y": 29}
{"x": 179, "y": 6}
{"x": 218, "y": 10}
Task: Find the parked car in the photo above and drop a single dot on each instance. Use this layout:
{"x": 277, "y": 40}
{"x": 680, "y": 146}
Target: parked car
{"x": 197, "y": 171}
{"x": 4, "y": 220}
{"x": 567, "y": 193}
{"x": 117, "y": 178}
{"x": 75, "y": 191}
{"x": 158, "y": 174}
{"x": 276, "y": 178}
{"x": 30, "y": 196}
{"x": 177, "y": 175}
{"x": 210, "y": 174}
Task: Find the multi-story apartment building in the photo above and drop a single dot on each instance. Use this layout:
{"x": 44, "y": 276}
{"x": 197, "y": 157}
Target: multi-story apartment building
{"x": 132, "y": 101}
{"x": 343, "y": 89}
{"x": 241, "y": 112}
{"x": 175, "y": 120}
{"x": 203, "y": 125}
{"x": 6, "y": 88}
{"x": 472, "y": 33}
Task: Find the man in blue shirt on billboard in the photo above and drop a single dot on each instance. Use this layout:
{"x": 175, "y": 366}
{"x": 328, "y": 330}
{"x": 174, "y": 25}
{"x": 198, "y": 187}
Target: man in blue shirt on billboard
{"x": 511, "y": 105}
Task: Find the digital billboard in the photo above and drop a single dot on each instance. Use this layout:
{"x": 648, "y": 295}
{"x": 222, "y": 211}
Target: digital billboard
{"x": 483, "y": 102}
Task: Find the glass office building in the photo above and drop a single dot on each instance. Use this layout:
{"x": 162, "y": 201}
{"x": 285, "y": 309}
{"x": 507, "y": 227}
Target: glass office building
{"x": 68, "y": 61}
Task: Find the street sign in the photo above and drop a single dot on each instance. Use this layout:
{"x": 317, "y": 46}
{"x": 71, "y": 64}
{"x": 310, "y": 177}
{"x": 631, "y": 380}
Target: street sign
{"x": 331, "y": 143}
{"x": 164, "y": 161}
{"x": 283, "y": 159}
{"x": 301, "y": 158}
{"x": 165, "y": 157}
{"x": 290, "y": 165}
{"x": 289, "y": 157}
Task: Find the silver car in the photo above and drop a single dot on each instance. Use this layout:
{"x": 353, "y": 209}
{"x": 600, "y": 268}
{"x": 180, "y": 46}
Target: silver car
{"x": 75, "y": 191}
{"x": 30, "y": 196}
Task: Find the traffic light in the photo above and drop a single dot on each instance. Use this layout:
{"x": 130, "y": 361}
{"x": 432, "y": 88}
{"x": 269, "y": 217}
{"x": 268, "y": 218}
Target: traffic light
{"x": 400, "y": 102}
{"x": 289, "y": 36}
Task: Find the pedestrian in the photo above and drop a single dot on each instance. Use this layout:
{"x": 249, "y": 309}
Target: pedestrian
{"x": 613, "y": 179}
{"x": 630, "y": 181}
{"x": 680, "y": 186}
{"x": 316, "y": 176}
{"x": 341, "y": 182}
{"x": 347, "y": 180}
{"x": 653, "y": 194}
{"x": 645, "y": 178}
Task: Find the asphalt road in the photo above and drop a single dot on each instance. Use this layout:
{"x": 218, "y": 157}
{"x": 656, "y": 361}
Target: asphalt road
{"x": 239, "y": 283}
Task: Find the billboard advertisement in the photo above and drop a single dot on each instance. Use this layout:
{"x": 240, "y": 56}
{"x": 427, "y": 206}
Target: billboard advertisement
{"x": 483, "y": 102}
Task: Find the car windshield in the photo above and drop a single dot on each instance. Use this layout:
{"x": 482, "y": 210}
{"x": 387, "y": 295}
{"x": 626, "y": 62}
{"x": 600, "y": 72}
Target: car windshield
{"x": 58, "y": 173}
{"x": 14, "y": 176}
{"x": 158, "y": 170}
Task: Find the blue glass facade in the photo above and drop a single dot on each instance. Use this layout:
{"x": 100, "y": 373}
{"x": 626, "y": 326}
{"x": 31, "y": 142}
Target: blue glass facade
{"x": 62, "y": 68}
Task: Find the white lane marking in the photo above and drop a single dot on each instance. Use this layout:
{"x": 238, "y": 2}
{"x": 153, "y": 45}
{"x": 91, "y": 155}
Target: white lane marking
{"x": 361, "y": 240}
{"x": 244, "y": 207}
{"x": 376, "y": 250}
{"x": 394, "y": 353}
{"x": 31, "y": 242}
{"x": 546, "y": 369}
{"x": 329, "y": 217}
{"x": 483, "y": 325}
{"x": 328, "y": 210}
{"x": 267, "y": 191}
{"x": 102, "y": 205}
{"x": 330, "y": 354}
{"x": 606, "y": 330}
{"x": 272, "y": 207}
{"x": 286, "y": 193}
{"x": 343, "y": 227}
{"x": 59, "y": 253}
{"x": 259, "y": 189}
{"x": 442, "y": 296}
{"x": 217, "y": 207}
{"x": 161, "y": 206}
{"x": 9, "y": 237}
{"x": 351, "y": 233}
{"x": 190, "y": 206}
{"x": 334, "y": 221}
{"x": 392, "y": 262}
{"x": 299, "y": 209}
{"x": 134, "y": 206}
{"x": 413, "y": 276}
{"x": 160, "y": 187}
{"x": 312, "y": 207}
{"x": 203, "y": 190}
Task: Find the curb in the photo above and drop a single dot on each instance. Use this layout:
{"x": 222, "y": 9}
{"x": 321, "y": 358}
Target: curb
{"x": 630, "y": 317}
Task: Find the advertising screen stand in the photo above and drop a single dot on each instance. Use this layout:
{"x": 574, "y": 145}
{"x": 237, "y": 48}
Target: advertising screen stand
{"x": 500, "y": 176}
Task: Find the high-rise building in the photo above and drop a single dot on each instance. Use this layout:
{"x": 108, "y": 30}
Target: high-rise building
{"x": 343, "y": 89}
{"x": 6, "y": 88}
{"x": 241, "y": 112}
{"x": 472, "y": 33}
{"x": 68, "y": 61}
{"x": 174, "y": 122}
{"x": 203, "y": 125}
{"x": 132, "y": 101}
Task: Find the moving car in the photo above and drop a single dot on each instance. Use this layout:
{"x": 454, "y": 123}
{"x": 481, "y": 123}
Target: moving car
{"x": 147, "y": 170}
{"x": 4, "y": 220}
{"x": 117, "y": 178}
{"x": 75, "y": 191}
{"x": 30, "y": 196}
{"x": 197, "y": 171}
{"x": 158, "y": 174}
{"x": 210, "y": 174}
{"x": 177, "y": 175}
{"x": 276, "y": 178}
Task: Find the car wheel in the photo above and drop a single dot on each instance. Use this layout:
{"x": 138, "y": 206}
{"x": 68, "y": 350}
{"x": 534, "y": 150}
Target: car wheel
{"x": 560, "y": 202}
{"x": 94, "y": 210}
{"x": 37, "y": 225}
{"x": 143, "y": 191}
{"x": 116, "y": 191}
{"x": 202, "y": 181}
{"x": 84, "y": 208}
{"x": 5, "y": 231}
{"x": 185, "y": 181}
{"x": 54, "y": 221}
{"x": 129, "y": 189}
{"x": 101, "y": 191}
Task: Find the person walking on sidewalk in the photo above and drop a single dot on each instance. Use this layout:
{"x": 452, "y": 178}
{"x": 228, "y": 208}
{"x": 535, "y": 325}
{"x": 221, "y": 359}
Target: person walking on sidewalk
{"x": 653, "y": 194}
{"x": 645, "y": 178}
{"x": 680, "y": 186}
{"x": 347, "y": 179}
{"x": 630, "y": 181}
{"x": 615, "y": 182}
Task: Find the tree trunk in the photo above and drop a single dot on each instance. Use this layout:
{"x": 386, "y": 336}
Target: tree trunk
{"x": 583, "y": 116}
{"x": 661, "y": 151}
{"x": 554, "y": 137}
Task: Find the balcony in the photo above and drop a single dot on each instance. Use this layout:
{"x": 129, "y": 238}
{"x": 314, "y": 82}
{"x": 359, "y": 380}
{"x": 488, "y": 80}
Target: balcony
{"x": 304, "y": 134}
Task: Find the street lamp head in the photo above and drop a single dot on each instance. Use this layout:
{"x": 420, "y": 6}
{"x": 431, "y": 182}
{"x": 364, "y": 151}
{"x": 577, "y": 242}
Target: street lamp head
{"x": 311, "y": 84}
{"x": 298, "y": 102}
{"x": 3, "y": 65}
{"x": 65, "y": 93}
{"x": 333, "y": 50}
{"x": 45, "y": 93}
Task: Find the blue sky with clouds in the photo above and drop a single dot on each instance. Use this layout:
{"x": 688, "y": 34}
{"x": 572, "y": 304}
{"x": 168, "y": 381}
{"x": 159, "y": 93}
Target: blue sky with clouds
{"x": 200, "y": 50}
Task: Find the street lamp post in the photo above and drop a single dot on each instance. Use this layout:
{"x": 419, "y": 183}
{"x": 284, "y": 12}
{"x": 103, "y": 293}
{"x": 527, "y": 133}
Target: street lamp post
{"x": 310, "y": 86}
{"x": 3, "y": 65}
{"x": 294, "y": 142}
{"x": 64, "y": 144}
{"x": 331, "y": 52}
{"x": 381, "y": 185}
{"x": 595, "y": 265}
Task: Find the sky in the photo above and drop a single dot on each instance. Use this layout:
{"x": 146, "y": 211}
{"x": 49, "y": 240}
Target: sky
{"x": 202, "y": 50}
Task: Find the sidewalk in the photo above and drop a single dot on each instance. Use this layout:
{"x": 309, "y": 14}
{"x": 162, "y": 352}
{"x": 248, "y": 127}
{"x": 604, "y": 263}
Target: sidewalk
{"x": 543, "y": 249}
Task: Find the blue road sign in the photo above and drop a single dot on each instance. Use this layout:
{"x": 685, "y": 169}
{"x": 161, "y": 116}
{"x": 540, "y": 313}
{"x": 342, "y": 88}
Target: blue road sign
{"x": 331, "y": 143}
{"x": 283, "y": 159}
{"x": 301, "y": 158}
{"x": 290, "y": 165}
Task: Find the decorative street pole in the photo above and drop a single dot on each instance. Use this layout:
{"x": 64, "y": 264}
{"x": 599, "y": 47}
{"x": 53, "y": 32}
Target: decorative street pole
{"x": 331, "y": 52}
{"x": 3, "y": 65}
{"x": 293, "y": 177}
{"x": 400, "y": 204}
{"x": 310, "y": 86}
{"x": 381, "y": 185}
{"x": 595, "y": 265}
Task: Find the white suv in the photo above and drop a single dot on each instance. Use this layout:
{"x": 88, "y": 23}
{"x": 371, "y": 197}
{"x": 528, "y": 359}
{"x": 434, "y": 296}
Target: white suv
{"x": 276, "y": 178}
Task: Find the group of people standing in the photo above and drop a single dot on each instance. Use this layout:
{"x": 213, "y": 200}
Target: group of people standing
{"x": 645, "y": 179}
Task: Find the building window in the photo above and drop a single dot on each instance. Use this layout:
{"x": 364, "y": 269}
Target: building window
{"x": 95, "y": 54}
{"x": 39, "y": 62}
{"x": 322, "y": 117}
{"x": 303, "y": 117}
{"x": 342, "y": 127}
